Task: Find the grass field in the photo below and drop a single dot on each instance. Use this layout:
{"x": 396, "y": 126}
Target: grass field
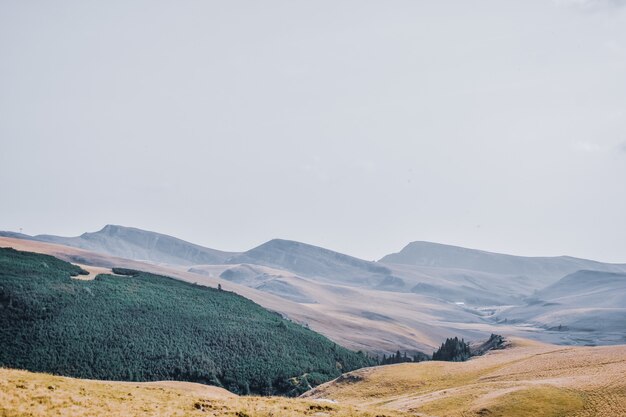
{"x": 34, "y": 394}
{"x": 528, "y": 379}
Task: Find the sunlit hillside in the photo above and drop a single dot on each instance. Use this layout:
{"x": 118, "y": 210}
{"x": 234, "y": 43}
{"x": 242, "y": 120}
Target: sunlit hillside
{"x": 32, "y": 394}
{"x": 526, "y": 379}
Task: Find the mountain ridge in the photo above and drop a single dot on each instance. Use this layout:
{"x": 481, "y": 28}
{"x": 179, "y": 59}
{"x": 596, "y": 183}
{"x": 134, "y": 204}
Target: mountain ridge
{"x": 313, "y": 261}
{"x": 406, "y": 256}
{"x": 429, "y": 254}
{"x": 138, "y": 244}
{"x": 593, "y": 302}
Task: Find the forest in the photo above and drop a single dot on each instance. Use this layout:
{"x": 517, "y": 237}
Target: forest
{"x": 453, "y": 350}
{"x": 144, "y": 327}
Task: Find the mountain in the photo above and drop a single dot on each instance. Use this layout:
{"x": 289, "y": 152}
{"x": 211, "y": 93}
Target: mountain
{"x": 377, "y": 307}
{"x": 262, "y": 278}
{"x": 137, "y": 326}
{"x": 132, "y": 243}
{"x": 313, "y": 261}
{"x": 543, "y": 270}
{"x": 344, "y": 314}
{"x": 449, "y": 283}
{"x": 588, "y": 288}
{"x": 589, "y": 304}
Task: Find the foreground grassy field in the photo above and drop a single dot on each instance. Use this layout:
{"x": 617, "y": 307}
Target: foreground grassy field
{"x": 527, "y": 379}
{"x": 34, "y": 394}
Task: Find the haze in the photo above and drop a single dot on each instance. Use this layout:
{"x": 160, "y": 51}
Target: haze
{"x": 357, "y": 126}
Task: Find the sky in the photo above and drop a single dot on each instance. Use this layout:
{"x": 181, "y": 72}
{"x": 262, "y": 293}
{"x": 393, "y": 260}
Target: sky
{"x": 358, "y": 125}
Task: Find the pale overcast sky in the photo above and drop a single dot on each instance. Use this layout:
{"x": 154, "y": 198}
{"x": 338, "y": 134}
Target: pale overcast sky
{"x": 354, "y": 125}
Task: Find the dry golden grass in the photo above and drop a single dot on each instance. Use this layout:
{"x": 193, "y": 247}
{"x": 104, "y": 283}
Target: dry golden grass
{"x": 528, "y": 379}
{"x": 34, "y": 394}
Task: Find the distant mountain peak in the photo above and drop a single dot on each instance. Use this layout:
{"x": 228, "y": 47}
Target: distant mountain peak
{"x": 113, "y": 228}
{"x": 109, "y": 229}
{"x": 437, "y": 255}
{"x": 144, "y": 245}
{"x": 444, "y": 246}
{"x": 284, "y": 243}
{"x": 314, "y": 261}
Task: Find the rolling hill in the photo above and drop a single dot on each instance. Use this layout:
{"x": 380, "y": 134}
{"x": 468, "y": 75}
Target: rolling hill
{"x": 589, "y": 304}
{"x": 25, "y": 393}
{"x": 321, "y": 265}
{"x": 406, "y": 321}
{"x": 315, "y": 262}
{"x": 526, "y": 379}
{"x": 449, "y": 273}
{"x": 541, "y": 270}
{"x": 132, "y": 243}
{"x": 274, "y": 281}
{"x": 428, "y": 293}
{"x": 146, "y": 327}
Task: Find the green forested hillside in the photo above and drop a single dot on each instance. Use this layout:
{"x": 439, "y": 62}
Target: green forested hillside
{"x": 143, "y": 327}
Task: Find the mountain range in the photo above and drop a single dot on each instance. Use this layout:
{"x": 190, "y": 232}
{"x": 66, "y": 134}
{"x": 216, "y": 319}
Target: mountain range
{"x": 428, "y": 254}
{"x": 409, "y": 300}
{"x": 132, "y": 243}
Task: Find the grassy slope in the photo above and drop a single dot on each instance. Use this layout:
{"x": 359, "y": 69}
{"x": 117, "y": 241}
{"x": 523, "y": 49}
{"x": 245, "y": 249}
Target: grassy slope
{"x": 529, "y": 379}
{"x": 151, "y": 327}
{"x": 25, "y": 393}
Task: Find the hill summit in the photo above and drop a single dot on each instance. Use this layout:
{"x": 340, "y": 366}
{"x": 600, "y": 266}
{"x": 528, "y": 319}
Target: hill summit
{"x": 138, "y": 244}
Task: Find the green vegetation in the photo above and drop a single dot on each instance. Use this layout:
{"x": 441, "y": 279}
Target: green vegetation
{"x": 126, "y": 271}
{"x": 144, "y": 327}
{"x": 453, "y": 350}
{"x": 402, "y": 358}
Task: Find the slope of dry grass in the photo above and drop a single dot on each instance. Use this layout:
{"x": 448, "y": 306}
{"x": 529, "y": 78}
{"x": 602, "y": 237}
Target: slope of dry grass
{"x": 34, "y": 394}
{"x": 529, "y": 379}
